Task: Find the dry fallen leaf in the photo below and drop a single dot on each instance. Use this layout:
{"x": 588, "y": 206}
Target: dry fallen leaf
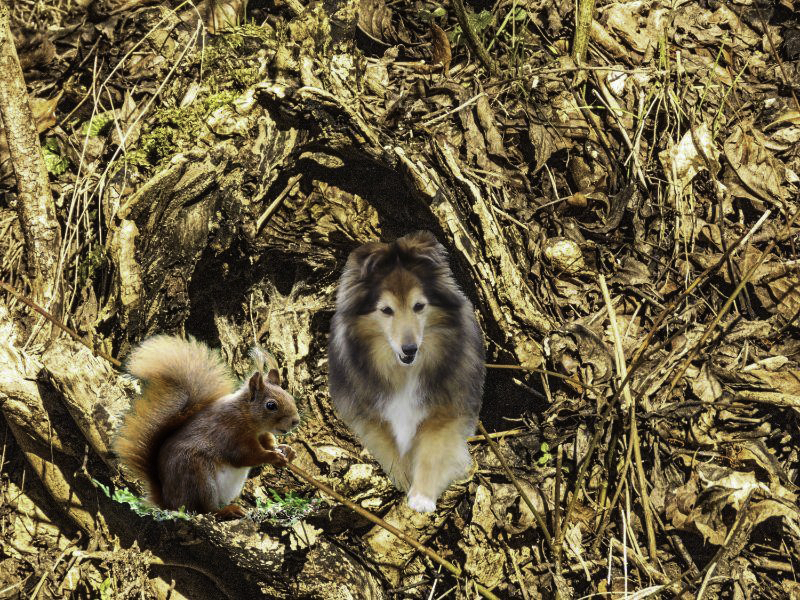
{"x": 755, "y": 165}
{"x": 545, "y": 142}
{"x": 700, "y": 503}
{"x": 36, "y": 51}
{"x": 695, "y": 152}
{"x": 375, "y": 21}
{"x": 578, "y": 349}
{"x": 440, "y": 48}
{"x": 564, "y": 255}
{"x": 706, "y": 386}
{"x": 623, "y": 19}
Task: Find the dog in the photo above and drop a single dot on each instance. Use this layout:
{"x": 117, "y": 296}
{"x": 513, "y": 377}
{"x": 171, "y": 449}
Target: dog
{"x": 406, "y": 363}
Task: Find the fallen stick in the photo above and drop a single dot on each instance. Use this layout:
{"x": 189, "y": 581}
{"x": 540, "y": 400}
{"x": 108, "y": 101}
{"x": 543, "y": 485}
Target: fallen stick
{"x": 456, "y": 571}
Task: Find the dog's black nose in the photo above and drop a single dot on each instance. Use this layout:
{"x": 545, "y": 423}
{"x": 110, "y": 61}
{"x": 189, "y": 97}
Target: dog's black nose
{"x": 409, "y": 349}
{"x": 295, "y": 422}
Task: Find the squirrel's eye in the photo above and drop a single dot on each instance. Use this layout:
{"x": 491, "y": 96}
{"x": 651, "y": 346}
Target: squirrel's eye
{"x": 419, "y": 306}
{"x": 387, "y": 310}
{"x": 271, "y": 405}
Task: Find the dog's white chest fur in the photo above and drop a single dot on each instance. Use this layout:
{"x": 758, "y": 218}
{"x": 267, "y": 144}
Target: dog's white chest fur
{"x": 404, "y": 412}
{"x": 230, "y": 481}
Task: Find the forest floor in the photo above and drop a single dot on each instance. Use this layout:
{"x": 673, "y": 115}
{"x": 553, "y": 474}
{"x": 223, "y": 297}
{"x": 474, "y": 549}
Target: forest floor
{"x": 625, "y": 226}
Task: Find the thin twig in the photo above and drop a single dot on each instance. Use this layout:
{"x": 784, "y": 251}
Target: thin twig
{"x": 786, "y": 80}
{"x": 557, "y": 492}
{"x": 753, "y": 229}
{"x": 452, "y": 111}
{"x": 472, "y": 38}
{"x": 725, "y": 307}
{"x": 638, "y": 361}
{"x": 515, "y": 566}
{"x": 700, "y": 279}
{"x": 275, "y": 205}
{"x": 612, "y": 106}
{"x": 623, "y": 473}
{"x": 496, "y": 449}
{"x": 545, "y": 372}
{"x": 500, "y": 435}
{"x": 634, "y": 440}
{"x": 58, "y": 324}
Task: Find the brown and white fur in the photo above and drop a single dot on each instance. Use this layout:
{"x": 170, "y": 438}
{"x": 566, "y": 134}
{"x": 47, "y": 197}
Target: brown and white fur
{"x": 406, "y": 363}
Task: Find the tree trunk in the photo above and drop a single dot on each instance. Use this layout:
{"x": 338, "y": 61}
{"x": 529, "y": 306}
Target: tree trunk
{"x": 34, "y": 201}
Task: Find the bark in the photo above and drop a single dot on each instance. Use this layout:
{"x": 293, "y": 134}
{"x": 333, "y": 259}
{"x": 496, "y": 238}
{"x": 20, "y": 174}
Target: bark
{"x": 34, "y": 200}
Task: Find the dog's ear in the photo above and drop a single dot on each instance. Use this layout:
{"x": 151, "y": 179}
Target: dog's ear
{"x": 423, "y": 245}
{"x": 365, "y": 258}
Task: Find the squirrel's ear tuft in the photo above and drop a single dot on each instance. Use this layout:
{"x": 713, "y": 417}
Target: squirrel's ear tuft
{"x": 274, "y": 377}
{"x": 256, "y": 383}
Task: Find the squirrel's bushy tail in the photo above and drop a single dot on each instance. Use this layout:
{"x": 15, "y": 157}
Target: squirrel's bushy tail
{"x": 180, "y": 376}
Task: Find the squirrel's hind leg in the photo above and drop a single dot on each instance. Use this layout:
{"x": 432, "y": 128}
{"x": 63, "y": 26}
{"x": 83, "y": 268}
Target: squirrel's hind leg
{"x": 187, "y": 481}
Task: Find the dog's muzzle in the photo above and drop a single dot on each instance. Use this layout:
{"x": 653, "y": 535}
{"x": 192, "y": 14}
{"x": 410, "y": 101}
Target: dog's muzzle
{"x": 409, "y": 353}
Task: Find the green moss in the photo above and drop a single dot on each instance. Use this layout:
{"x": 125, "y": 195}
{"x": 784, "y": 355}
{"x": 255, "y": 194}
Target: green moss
{"x": 91, "y": 262}
{"x": 245, "y": 77}
{"x": 278, "y": 510}
{"x": 237, "y": 43}
{"x": 230, "y": 63}
{"x": 174, "y": 127}
{"x": 213, "y": 102}
{"x": 284, "y": 510}
{"x": 158, "y": 144}
{"x": 139, "y": 505}
{"x": 232, "y": 58}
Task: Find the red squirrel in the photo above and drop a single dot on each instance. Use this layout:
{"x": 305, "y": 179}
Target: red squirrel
{"x": 191, "y": 435}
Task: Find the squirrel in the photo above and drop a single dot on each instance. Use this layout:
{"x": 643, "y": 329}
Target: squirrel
{"x": 191, "y": 435}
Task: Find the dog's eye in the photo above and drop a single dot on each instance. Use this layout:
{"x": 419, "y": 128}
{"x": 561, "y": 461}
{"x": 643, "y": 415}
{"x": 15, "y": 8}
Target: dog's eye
{"x": 272, "y": 405}
{"x": 387, "y": 310}
{"x": 419, "y": 306}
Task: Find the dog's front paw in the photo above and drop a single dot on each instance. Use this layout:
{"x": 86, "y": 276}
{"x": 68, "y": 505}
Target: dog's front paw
{"x": 421, "y": 503}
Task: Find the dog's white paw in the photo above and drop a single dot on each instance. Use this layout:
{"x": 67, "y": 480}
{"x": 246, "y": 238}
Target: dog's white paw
{"x": 421, "y": 503}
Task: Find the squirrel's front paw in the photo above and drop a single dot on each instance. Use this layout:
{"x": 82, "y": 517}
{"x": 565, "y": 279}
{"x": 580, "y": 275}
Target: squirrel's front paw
{"x": 421, "y": 503}
{"x": 276, "y": 458}
{"x": 287, "y": 451}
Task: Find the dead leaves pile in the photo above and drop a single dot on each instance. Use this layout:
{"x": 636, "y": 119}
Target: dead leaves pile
{"x": 673, "y": 163}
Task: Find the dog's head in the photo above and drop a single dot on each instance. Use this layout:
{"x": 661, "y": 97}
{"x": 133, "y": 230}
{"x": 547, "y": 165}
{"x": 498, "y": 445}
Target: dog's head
{"x": 400, "y": 289}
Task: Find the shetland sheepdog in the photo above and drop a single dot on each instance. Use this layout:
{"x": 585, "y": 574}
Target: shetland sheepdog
{"x": 406, "y": 363}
